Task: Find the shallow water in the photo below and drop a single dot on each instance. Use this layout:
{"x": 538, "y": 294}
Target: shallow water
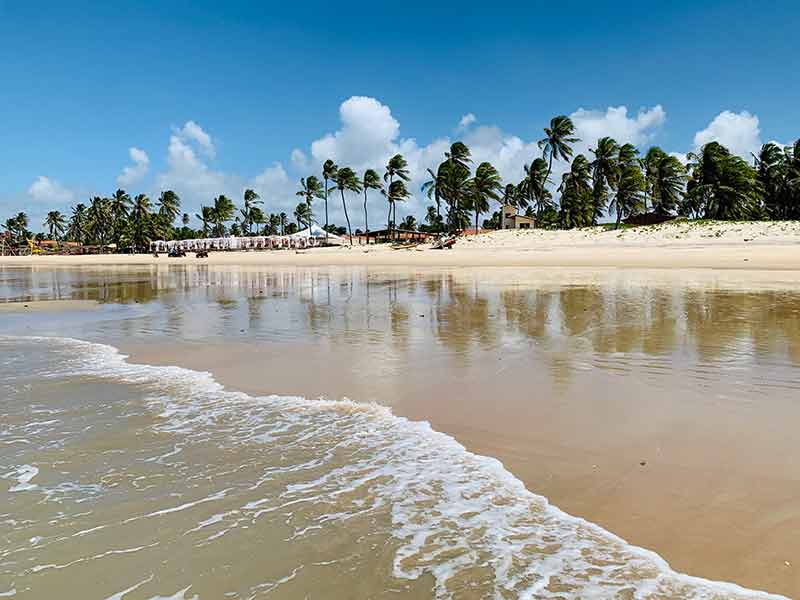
{"x": 136, "y": 481}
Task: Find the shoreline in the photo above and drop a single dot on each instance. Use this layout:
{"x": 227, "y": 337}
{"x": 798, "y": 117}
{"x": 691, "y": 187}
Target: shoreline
{"x": 677, "y": 245}
{"x": 723, "y": 496}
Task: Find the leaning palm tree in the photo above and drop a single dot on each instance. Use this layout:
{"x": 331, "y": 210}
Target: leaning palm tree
{"x": 397, "y": 167}
{"x": 303, "y": 215}
{"x": 140, "y": 222}
{"x": 328, "y": 173}
{"x": 485, "y": 186}
{"x": 605, "y": 170}
{"x": 205, "y": 216}
{"x": 557, "y": 142}
{"x": 396, "y": 192}
{"x": 630, "y": 195}
{"x": 433, "y": 189}
{"x": 56, "y": 223}
{"x": 310, "y": 189}
{"x": 222, "y": 212}
{"x": 533, "y": 190}
{"x": 371, "y": 181}
{"x": 251, "y": 201}
{"x": 347, "y": 181}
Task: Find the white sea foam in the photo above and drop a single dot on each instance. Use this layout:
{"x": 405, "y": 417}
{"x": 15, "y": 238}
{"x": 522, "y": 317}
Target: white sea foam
{"x": 452, "y": 511}
{"x": 23, "y": 474}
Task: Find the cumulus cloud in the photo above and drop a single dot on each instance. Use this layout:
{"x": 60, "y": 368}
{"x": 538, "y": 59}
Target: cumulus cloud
{"x": 44, "y": 189}
{"x": 188, "y": 174}
{"x": 191, "y": 131}
{"x": 133, "y": 173}
{"x": 467, "y": 120}
{"x": 739, "y": 132}
{"x": 591, "y": 125}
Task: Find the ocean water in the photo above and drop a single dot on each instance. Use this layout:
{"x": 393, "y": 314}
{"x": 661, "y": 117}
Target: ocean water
{"x": 123, "y": 481}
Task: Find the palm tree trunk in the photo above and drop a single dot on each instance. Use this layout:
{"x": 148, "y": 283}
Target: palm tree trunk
{"x": 476, "y": 221}
{"x": 347, "y": 218}
{"x": 326, "y": 209}
{"x": 366, "y": 221}
{"x": 619, "y": 216}
{"x": 310, "y": 219}
{"x": 546, "y": 177}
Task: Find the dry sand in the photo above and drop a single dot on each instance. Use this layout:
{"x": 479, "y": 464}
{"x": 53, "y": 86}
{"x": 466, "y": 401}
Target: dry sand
{"x": 684, "y": 244}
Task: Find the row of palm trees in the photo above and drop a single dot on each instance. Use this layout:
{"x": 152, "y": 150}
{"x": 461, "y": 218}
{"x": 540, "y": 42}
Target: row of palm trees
{"x": 614, "y": 179}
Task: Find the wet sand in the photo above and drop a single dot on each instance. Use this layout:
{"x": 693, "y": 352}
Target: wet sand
{"x": 661, "y": 405}
{"x": 19, "y": 306}
{"x": 716, "y": 495}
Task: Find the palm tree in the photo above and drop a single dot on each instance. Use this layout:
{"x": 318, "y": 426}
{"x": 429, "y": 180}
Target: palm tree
{"x": 222, "y": 212}
{"x": 56, "y": 224}
{"x": 631, "y": 190}
{"x": 140, "y": 222}
{"x": 485, "y": 186}
{"x": 169, "y": 206}
{"x": 18, "y": 227}
{"x": 282, "y": 222}
{"x": 118, "y": 206}
{"x": 205, "y": 216}
{"x": 556, "y": 143}
{"x": 257, "y": 217}
{"x": 347, "y": 180}
{"x": 310, "y": 188}
{"x": 328, "y": 172}
{"x": 185, "y": 219}
{"x": 251, "y": 201}
{"x": 371, "y": 181}
{"x": 77, "y": 224}
{"x": 605, "y": 169}
{"x": 396, "y": 167}
{"x": 722, "y": 185}
{"x": 410, "y": 223}
{"x": 396, "y": 192}
{"x": 577, "y": 206}
{"x": 433, "y": 189}
{"x": 303, "y": 215}
{"x": 98, "y": 220}
{"x": 533, "y": 188}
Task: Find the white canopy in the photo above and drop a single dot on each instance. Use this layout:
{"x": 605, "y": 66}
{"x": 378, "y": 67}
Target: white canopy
{"x": 318, "y": 232}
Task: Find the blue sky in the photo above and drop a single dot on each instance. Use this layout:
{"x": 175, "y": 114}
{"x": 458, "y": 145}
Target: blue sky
{"x": 261, "y": 87}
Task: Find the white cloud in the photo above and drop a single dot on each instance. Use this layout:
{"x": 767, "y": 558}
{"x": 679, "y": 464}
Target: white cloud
{"x": 299, "y": 160}
{"x": 189, "y": 176}
{"x": 738, "y": 132}
{"x": 133, "y": 173}
{"x": 191, "y": 131}
{"x": 591, "y": 125}
{"x": 45, "y": 189}
{"x": 467, "y": 120}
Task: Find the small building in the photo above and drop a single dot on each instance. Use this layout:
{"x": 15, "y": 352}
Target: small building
{"x": 509, "y": 219}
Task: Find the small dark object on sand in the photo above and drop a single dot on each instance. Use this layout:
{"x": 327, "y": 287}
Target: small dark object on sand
{"x": 643, "y": 463}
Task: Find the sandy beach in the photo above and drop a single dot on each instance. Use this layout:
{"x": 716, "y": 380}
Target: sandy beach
{"x": 680, "y": 245}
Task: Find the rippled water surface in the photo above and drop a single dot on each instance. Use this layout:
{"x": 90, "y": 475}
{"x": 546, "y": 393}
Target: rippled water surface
{"x": 136, "y": 481}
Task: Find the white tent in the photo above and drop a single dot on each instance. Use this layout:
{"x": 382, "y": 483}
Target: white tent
{"x": 318, "y": 232}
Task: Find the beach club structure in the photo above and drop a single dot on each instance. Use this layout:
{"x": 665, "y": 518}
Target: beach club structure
{"x": 307, "y": 238}
{"x": 509, "y": 219}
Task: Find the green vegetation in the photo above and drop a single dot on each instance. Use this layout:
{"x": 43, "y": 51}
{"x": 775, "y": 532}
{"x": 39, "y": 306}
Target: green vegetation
{"x": 617, "y": 182}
